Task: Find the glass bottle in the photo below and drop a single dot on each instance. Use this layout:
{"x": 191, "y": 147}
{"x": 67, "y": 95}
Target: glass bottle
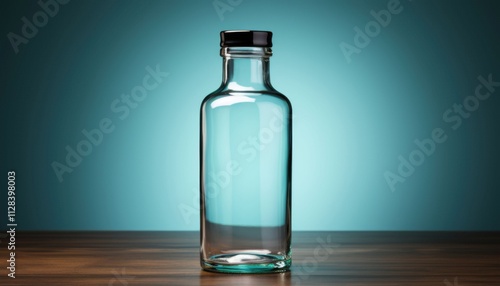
{"x": 245, "y": 163}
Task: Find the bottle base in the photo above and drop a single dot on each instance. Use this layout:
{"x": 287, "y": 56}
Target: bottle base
{"x": 246, "y": 263}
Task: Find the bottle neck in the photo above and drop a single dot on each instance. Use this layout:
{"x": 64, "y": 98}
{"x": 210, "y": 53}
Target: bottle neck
{"x": 246, "y": 68}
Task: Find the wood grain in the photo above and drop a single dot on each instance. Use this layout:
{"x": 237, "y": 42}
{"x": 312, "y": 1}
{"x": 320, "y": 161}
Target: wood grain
{"x": 319, "y": 258}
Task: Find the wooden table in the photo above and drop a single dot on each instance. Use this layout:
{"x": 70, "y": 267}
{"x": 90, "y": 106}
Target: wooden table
{"x": 319, "y": 258}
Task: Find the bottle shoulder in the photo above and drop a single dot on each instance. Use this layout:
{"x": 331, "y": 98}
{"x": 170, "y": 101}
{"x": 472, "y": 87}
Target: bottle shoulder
{"x": 255, "y": 95}
{"x": 226, "y": 98}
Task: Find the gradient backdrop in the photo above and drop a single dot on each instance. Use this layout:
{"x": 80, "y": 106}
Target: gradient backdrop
{"x": 354, "y": 115}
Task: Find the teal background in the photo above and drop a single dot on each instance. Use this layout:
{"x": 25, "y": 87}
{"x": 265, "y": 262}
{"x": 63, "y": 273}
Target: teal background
{"x": 352, "y": 120}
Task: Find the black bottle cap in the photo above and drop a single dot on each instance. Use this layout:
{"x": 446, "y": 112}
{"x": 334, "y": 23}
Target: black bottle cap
{"x": 246, "y": 38}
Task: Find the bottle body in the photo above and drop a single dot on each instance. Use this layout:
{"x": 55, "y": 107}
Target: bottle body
{"x": 246, "y": 182}
{"x": 245, "y": 167}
